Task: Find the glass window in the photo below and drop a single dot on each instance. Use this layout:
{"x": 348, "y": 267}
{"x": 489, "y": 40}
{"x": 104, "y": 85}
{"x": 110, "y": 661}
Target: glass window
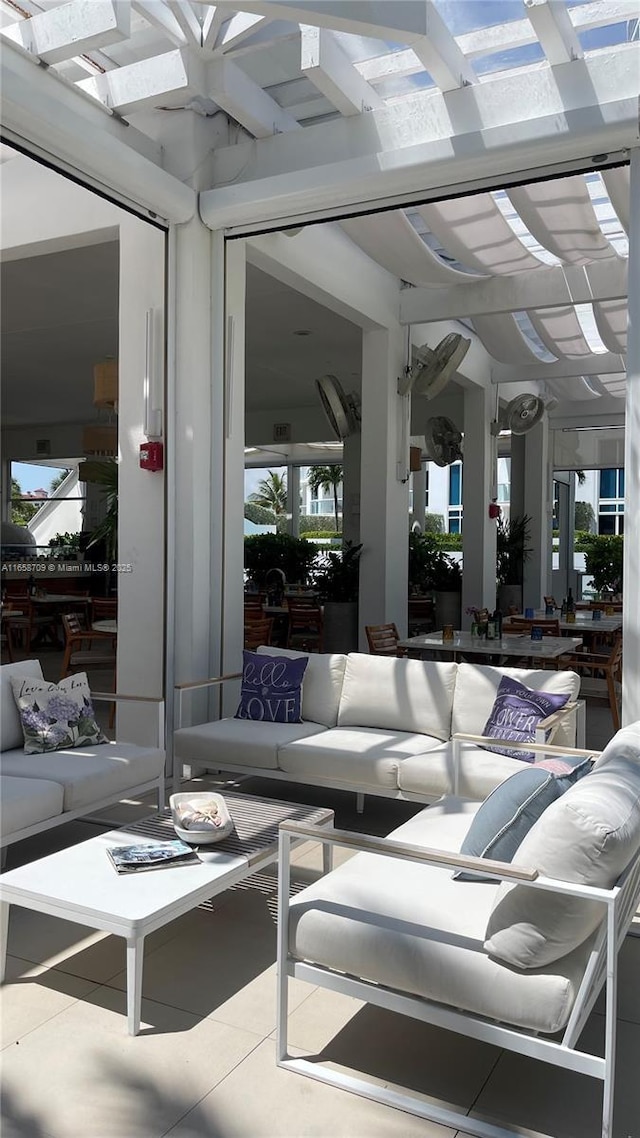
{"x": 608, "y": 483}
{"x": 621, "y": 483}
{"x": 606, "y": 524}
{"x": 455, "y": 485}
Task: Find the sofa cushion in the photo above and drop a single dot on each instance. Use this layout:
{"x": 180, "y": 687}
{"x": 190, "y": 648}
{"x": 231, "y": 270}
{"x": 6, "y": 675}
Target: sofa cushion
{"x": 240, "y": 742}
{"x": 588, "y": 836}
{"x": 411, "y": 927}
{"x": 430, "y": 775}
{"x": 10, "y": 724}
{"x": 516, "y": 714}
{"x": 271, "y": 690}
{"x": 88, "y": 774}
{"x": 397, "y": 694}
{"x": 56, "y": 717}
{"x": 509, "y": 812}
{"x": 360, "y": 757}
{"x": 27, "y": 801}
{"x": 322, "y": 683}
{"x": 477, "y": 686}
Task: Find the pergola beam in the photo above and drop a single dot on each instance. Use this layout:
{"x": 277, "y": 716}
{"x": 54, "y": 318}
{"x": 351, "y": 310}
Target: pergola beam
{"x": 324, "y": 62}
{"x": 235, "y": 30}
{"x": 440, "y": 55}
{"x": 125, "y": 89}
{"x": 162, "y": 18}
{"x": 544, "y": 288}
{"x": 402, "y": 20}
{"x": 245, "y": 101}
{"x": 71, "y": 30}
{"x": 552, "y": 24}
{"x": 606, "y": 363}
{"x": 430, "y": 142}
{"x": 187, "y": 19}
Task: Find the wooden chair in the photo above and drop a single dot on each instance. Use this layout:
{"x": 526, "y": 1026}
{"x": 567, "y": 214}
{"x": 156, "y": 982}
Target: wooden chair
{"x": 104, "y": 608}
{"x": 601, "y": 666}
{"x": 306, "y": 627}
{"x": 257, "y": 632}
{"x": 79, "y": 649}
{"x": 383, "y": 640}
{"x": 31, "y": 620}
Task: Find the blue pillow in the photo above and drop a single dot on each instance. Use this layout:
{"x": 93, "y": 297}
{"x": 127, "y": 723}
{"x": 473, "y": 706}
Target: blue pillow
{"x": 508, "y": 813}
{"x": 516, "y": 713}
{"x": 271, "y": 688}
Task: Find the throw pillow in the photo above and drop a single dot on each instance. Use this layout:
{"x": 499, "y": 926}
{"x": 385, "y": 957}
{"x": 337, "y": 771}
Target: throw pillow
{"x": 588, "y": 836}
{"x": 56, "y": 716}
{"x": 508, "y": 813}
{"x": 516, "y": 713}
{"x": 271, "y": 688}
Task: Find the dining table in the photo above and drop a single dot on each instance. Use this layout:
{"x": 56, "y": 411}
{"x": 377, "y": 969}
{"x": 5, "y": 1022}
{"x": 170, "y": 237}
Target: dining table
{"x": 463, "y": 645}
{"x": 584, "y": 621}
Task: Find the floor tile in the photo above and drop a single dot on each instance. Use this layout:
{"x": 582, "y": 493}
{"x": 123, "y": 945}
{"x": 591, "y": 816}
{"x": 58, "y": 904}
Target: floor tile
{"x": 283, "y": 1104}
{"x": 31, "y": 995}
{"x": 94, "y": 1079}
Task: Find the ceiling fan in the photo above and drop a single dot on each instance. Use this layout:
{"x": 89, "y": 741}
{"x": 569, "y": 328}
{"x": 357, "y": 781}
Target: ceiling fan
{"x": 342, "y": 410}
{"x": 520, "y": 414}
{"x": 432, "y": 368}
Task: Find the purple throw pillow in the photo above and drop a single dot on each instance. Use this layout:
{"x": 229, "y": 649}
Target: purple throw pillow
{"x": 271, "y": 689}
{"x": 516, "y": 713}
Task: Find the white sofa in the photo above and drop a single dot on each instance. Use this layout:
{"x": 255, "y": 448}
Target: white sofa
{"x": 516, "y": 960}
{"x": 45, "y": 790}
{"x": 377, "y": 725}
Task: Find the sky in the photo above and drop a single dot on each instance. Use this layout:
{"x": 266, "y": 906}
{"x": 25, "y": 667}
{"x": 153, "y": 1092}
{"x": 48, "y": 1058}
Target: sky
{"x": 33, "y": 477}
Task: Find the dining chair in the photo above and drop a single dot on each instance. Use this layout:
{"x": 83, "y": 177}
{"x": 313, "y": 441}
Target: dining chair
{"x": 521, "y": 625}
{"x": 79, "y": 649}
{"x": 306, "y": 626}
{"x": 383, "y": 640}
{"x": 28, "y": 621}
{"x": 257, "y": 632}
{"x": 600, "y": 666}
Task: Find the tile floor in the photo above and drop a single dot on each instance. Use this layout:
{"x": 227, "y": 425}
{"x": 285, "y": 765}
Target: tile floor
{"x": 204, "y": 1063}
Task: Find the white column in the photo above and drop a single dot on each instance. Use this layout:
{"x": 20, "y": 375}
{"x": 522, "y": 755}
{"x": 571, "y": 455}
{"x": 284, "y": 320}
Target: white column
{"x": 384, "y": 500}
{"x": 537, "y": 505}
{"x": 351, "y": 460}
{"x": 631, "y": 612}
{"x": 479, "y": 530}
{"x": 293, "y": 499}
{"x": 140, "y": 492}
{"x": 565, "y": 534}
{"x": 419, "y": 478}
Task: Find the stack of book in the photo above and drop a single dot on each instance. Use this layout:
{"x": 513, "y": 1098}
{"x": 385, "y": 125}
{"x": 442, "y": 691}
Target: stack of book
{"x": 151, "y": 855}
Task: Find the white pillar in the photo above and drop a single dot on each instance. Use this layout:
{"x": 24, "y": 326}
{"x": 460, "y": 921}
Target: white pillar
{"x": 351, "y": 460}
{"x": 537, "y": 506}
{"x": 419, "y": 481}
{"x": 293, "y": 499}
{"x": 228, "y": 379}
{"x": 631, "y": 612}
{"x": 565, "y": 533}
{"x": 478, "y": 530}
{"x": 384, "y": 500}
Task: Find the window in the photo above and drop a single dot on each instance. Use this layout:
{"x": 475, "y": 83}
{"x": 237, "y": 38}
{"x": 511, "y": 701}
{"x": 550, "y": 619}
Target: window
{"x": 611, "y": 501}
{"x": 455, "y": 498}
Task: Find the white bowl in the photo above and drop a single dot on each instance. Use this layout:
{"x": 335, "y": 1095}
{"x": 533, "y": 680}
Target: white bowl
{"x": 201, "y": 837}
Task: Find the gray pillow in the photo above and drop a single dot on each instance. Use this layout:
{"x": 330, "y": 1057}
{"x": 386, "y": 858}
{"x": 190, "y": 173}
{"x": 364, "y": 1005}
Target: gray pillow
{"x": 589, "y": 835}
{"x": 509, "y": 812}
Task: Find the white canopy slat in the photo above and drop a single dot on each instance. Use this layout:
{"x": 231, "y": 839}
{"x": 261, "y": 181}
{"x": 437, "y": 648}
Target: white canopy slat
{"x": 611, "y": 318}
{"x": 560, "y": 331}
{"x": 574, "y": 387}
{"x": 503, "y": 339}
{"x": 475, "y": 232}
{"x": 617, "y": 182}
{"x": 561, "y": 217}
{"x": 391, "y": 240}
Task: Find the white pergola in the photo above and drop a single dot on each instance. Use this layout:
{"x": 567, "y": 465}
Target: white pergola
{"x": 409, "y": 165}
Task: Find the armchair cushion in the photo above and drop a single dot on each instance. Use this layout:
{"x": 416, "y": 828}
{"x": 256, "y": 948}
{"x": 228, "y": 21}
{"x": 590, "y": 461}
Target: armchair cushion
{"x": 56, "y": 716}
{"x": 516, "y": 713}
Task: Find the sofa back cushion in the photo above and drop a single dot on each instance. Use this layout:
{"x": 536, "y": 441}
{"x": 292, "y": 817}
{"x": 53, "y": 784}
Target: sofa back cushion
{"x": 322, "y": 683}
{"x": 477, "y": 687}
{"x": 590, "y": 836}
{"x": 10, "y": 723}
{"x": 397, "y": 694}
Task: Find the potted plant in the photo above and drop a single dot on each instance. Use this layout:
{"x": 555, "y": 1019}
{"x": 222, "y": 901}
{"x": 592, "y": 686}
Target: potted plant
{"x": 512, "y": 551}
{"x": 604, "y": 555}
{"x": 263, "y": 552}
{"x": 432, "y": 571}
{"x": 337, "y": 581}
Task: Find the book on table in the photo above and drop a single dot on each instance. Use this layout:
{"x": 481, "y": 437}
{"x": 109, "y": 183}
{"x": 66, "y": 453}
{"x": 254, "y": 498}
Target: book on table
{"x": 151, "y": 855}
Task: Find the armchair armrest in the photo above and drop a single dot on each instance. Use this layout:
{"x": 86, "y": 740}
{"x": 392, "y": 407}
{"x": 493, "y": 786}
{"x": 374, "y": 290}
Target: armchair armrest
{"x": 196, "y": 685}
{"x": 537, "y": 748}
{"x": 121, "y": 697}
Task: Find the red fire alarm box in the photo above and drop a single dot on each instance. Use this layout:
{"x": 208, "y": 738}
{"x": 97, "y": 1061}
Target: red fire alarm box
{"x": 151, "y": 456}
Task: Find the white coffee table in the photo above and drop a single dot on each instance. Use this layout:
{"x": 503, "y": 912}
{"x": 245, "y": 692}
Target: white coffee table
{"x": 80, "y": 884}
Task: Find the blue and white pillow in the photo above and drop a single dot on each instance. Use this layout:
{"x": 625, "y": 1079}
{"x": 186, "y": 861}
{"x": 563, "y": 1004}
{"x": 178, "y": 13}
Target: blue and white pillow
{"x": 516, "y": 713}
{"x": 271, "y": 689}
{"x": 56, "y": 717}
{"x": 508, "y": 813}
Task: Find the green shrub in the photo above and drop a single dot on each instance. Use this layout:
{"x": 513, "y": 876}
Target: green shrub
{"x": 259, "y": 515}
{"x": 604, "y": 561}
{"x": 265, "y": 551}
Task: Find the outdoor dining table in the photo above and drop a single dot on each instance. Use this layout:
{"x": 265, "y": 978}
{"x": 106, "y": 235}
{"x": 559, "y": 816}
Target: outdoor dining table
{"x": 464, "y": 645}
{"x": 584, "y": 621}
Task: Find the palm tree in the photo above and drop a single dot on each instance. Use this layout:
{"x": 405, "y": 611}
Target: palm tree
{"x": 327, "y": 478}
{"x": 272, "y": 493}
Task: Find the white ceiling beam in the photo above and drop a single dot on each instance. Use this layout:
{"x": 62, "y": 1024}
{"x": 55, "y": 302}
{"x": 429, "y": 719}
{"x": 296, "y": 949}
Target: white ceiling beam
{"x": 245, "y": 101}
{"x": 433, "y": 143}
{"x": 168, "y": 80}
{"x": 605, "y": 364}
{"x": 403, "y": 20}
{"x": 324, "y": 62}
{"x": 543, "y": 288}
{"x": 159, "y": 16}
{"x": 234, "y": 31}
{"x": 440, "y": 55}
{"x": 214, "y": 18}
{"x": 71, "y": 30}
{"x": 551, "y": 22}
{"x": 187, "y": 19}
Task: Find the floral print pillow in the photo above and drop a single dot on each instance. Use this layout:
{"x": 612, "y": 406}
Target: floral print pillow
{"x": 56, "y": 717}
